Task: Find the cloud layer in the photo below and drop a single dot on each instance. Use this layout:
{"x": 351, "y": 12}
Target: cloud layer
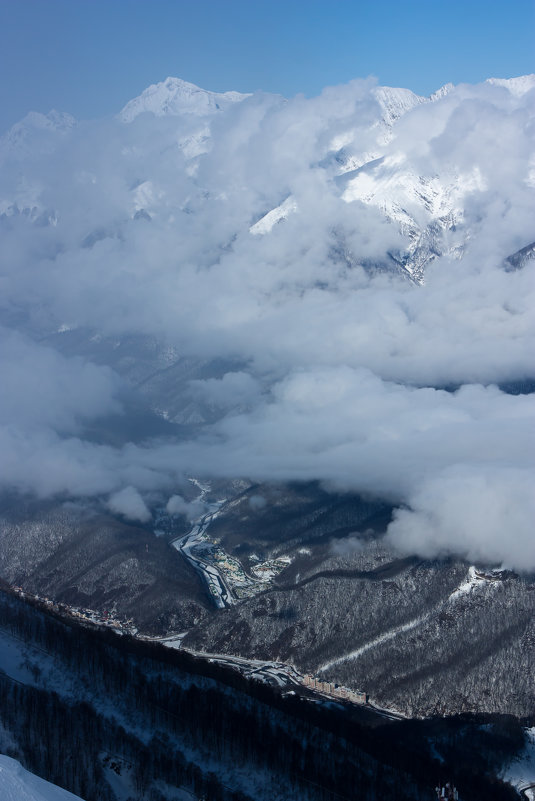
{"x": 315, "y": 349}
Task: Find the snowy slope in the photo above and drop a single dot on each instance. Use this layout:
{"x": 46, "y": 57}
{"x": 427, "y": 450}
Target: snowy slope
{"x": 422, "y": 206}
{"x": 18, "y": 784}
{"x": 175, "y": 96}
{"x": 277, "y": 215}
{"x": 427, "y": 208}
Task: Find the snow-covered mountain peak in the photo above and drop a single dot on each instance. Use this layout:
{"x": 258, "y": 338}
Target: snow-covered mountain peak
{"x": 175, "y": 96}
{"x": 442, "y": 92}
{"x": 36, "y": 123}
{"x": 396, "y": 102}
{"x": 34, "y": 132}
{"x": 517, "y": 86}
{"x": 53, "y": 121}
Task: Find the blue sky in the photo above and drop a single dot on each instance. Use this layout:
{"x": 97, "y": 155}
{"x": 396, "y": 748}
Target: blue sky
{"x": 89, "y": 57}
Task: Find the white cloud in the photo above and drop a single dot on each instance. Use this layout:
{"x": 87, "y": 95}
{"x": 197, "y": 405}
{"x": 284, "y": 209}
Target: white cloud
{"x": 485, "y": 514}
{"x": 177, "y": 505}
{"x": 312, "y": 364}
{"x": 233, "y": 390}
{"x": 44, "y": 388}
{"x": 257, "y": 502}
{"x": 129, "y": 503}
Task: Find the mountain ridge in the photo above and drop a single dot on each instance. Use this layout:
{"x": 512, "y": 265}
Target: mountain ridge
{"x": 332, "y": 290}
{"x": 174, "y": 96}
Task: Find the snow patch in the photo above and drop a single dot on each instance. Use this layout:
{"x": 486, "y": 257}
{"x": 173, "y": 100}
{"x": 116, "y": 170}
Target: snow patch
{"x": 467, "y": 586}
{"x": 277, "y": 215}
{"x": 475, "y": 579}
{"x": 389, "y": 635}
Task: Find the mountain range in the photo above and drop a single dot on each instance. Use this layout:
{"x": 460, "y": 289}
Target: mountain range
{"x": 308, "y": 323}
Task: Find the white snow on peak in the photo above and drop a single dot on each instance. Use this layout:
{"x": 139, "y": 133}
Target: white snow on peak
{"x": 517, "y": 86}
{"x": 174, "y": 96}
{"x": 53, "y": 121}
{"x": 442, "y": 92}
{"x": 396, "y": 102}
{"x": 35, "y": 132}
{"x": 18, "y": 784}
